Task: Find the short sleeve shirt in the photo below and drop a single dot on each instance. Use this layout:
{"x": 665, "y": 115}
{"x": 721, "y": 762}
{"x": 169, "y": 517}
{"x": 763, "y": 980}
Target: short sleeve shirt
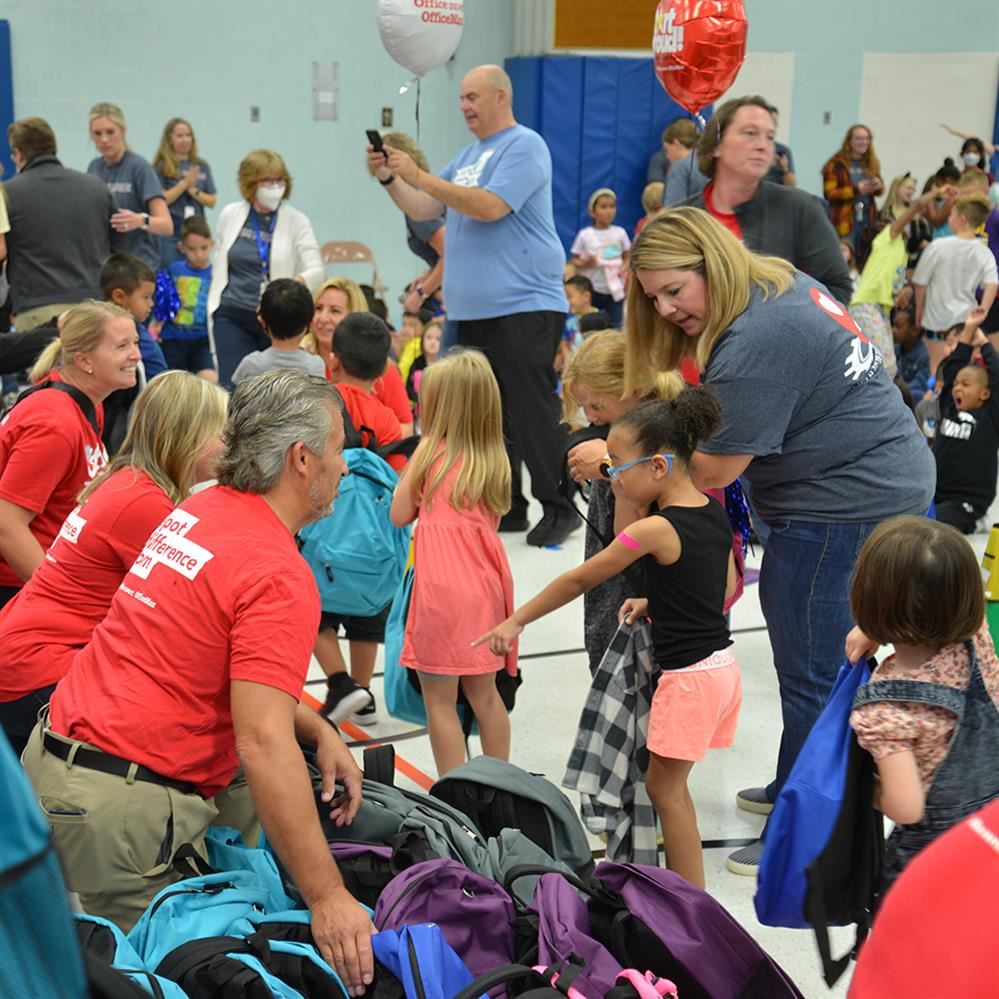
{"x": 218, "y": 593}
{"x": 369, "y": 411}
{"x": 271, "y": 360}
{"x": 515, "y": 263}
{"x": 952, "y": 269}
{"x": 247, "y": 273}
{"x": 185, "y": 206}
{"x": 803, "y": 391}
{"x": 418, "y": 233}
{"x": 610, "y": 244}
{"x": 191, "y": 320}
{"x": 48, "y": 453}
{"x": 55, "y": 614}
{"x": 133, "y": 183}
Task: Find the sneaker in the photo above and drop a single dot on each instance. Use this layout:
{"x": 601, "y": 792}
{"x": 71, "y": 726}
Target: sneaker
{"x": 554, "y": 527}
{"x": 344, "y": 696}
{"x": 368, "y": 715}
{"x": 754, "y": 799}
{"x": 515, "y": 520}
{"x": 747, "y": 860}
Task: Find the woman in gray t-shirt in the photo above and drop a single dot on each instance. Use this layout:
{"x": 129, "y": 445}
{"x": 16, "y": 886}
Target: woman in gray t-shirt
{"x": 811, "y": 419}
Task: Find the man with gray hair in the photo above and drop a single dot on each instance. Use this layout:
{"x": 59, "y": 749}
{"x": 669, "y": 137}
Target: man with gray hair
{"x": 198, "y": 669}
{"x": 503, "y": 265}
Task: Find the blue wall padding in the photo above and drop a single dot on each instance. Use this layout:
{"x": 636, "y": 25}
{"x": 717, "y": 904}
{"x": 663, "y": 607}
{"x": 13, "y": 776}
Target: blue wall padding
{"x": 602, "y": 118}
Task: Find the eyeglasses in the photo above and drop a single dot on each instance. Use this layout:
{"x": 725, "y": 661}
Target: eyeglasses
{"x": 613, "y": 471}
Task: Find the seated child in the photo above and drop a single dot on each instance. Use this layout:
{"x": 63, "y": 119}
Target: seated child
{"x": 929, "y": 715}
{"x": 130, "y": 282}
{"x": 285, "y": 312}
{"x": 911, "y": 356}
{"x": 184, "y": 339}
{"x": 430, "y": 352}
{"x": 601, "y": 251}
{"x": 360, "y": 351}
{"x": 967, "y": 436}
{"x": 413, "y": 325}
{"x": 579, "y": 292}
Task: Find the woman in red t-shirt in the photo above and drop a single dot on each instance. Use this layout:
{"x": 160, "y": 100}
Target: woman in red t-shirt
{"x": 50, "y": 443}
{"x": 172, "y": 443}
{"x": 339, "y": 297}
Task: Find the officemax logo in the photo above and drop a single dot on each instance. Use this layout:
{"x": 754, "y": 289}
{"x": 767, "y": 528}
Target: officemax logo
{"x": 667, "y": 35}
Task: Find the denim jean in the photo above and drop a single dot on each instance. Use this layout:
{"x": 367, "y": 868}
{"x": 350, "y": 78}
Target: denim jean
{"x": 804, "y": 594}
{"x": 236, "y": 333}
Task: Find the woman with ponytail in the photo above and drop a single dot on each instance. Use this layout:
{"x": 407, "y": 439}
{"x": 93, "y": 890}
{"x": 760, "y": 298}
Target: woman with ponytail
{"x": 809, "y": 417}
{"x": 688, "y": 574}
{"x": 50, "y": 442}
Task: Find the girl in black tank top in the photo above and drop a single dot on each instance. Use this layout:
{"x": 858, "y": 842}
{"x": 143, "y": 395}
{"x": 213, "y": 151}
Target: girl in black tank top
{"x": 686, "y": 548}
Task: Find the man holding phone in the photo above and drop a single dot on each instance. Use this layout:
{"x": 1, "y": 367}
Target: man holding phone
{"x": 503, "y": 266}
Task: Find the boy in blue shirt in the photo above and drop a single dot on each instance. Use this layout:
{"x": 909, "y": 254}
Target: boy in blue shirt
{"x": 184, "y": 338}
{"x": 129, "y": 283}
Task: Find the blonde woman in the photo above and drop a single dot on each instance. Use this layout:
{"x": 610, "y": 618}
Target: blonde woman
{"x": 458, "y": 484}
{"x": 142, "y": 215}
{"x": 338, "y": 297}
{"x": 187, "y": 182}
{"x": 809, "y": 417}
{"x": 260, "y": 238}
{"x": 50, "y": 443}
{"x": 172, "y": 443}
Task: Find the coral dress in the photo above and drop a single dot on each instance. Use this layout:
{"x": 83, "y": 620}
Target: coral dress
{"x": 462, "y": 588}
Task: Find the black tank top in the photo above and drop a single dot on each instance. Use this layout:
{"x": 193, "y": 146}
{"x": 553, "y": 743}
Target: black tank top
{"x": 686, "y": 598}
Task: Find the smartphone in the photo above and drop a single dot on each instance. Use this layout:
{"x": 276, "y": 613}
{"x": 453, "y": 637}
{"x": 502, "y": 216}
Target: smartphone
{"x": 376, "y": 141}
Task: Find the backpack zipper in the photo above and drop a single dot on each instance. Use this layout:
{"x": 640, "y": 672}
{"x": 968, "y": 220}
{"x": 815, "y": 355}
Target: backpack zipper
{"x": 414, "y": 964}
{"x": 410, "y": 888}
{"x": 206, "y": 890}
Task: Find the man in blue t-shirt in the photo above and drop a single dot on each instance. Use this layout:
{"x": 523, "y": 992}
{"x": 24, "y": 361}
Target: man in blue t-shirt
{"x": 503, "y": 265}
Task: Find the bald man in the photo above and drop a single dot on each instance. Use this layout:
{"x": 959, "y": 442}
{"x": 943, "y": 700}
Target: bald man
{"x": 502, "y": 277}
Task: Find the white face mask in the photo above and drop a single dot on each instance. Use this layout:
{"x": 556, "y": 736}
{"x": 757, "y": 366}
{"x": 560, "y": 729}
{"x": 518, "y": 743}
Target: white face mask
{"x": 970, "y": 159}
{"x": 270, "y": 196}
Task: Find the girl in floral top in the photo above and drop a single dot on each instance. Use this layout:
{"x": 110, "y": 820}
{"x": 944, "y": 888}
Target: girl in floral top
{"x": 930, "y": 715}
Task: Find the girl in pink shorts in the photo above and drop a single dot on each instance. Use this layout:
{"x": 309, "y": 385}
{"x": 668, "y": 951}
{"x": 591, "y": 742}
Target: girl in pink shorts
{"x": 689, "y": 572}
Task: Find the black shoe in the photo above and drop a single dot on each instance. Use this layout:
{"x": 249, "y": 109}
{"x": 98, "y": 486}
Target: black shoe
{"x": 368, "y": 715}
{"x": 344, "y": 696}
{"x": 554, "y": 527}
{"x": 515, "y": 520}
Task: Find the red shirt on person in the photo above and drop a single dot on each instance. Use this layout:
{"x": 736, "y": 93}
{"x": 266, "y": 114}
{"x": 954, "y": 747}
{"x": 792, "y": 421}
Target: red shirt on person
{"x": 728, "y": 219}
{"x": 369, "y": 411}
{"x": 55, "y": 614}
{"x": 218, "y": 593}
{"x": 48, "y": 453}
{"x": 391, "y": 390}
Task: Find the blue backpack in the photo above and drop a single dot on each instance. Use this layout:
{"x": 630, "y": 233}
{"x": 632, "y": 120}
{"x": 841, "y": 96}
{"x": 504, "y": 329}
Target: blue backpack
{"x": 824, "y": 840}
{"x": 356, "y": 554}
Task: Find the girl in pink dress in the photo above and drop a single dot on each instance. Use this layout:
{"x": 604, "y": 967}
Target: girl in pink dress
{"x": 458, "y": 484}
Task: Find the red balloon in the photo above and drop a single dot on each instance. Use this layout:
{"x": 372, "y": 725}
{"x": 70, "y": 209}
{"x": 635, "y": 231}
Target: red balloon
{"x": 698, "y": 47}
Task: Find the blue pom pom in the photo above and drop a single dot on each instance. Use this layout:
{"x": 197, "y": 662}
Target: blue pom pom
{"x": 737, "y": 509}
{"x": 166, "y": 301}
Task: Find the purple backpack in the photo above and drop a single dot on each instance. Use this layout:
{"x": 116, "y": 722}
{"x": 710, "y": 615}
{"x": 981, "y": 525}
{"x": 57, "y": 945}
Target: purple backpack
{"x": 473, "y": 912}
{"x": 650, "y": 919}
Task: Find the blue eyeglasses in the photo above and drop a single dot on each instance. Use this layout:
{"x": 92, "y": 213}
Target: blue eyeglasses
{"x": 613, "y": 471}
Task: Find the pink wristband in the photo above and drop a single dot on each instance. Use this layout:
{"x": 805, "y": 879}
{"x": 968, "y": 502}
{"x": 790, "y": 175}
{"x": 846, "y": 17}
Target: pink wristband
{"x": 628, "y": 541}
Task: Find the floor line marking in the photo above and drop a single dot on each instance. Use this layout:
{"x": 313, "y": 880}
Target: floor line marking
{"x": 404, "y": 767}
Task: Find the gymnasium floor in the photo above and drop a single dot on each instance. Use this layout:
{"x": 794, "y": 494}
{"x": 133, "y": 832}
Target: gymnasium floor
{"x": 544, "y": 724}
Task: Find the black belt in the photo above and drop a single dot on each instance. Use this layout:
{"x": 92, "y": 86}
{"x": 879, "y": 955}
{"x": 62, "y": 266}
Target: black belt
{"x": 95, "y": 759}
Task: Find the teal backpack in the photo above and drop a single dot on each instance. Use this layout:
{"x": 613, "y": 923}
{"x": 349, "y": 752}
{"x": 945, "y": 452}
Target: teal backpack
{"x": 356, "y": 555}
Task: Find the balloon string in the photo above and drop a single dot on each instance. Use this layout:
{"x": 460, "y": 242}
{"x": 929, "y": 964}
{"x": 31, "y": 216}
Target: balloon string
{"x": 417, "y": 112}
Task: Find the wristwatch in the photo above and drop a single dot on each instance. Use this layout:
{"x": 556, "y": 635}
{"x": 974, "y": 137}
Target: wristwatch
{"x": 145, "y": 220}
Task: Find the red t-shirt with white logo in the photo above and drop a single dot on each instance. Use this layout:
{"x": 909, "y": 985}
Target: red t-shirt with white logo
{"x": 55, "y": 614}
{"x": 218, "y": 593}
{"x": 48, "y": 453}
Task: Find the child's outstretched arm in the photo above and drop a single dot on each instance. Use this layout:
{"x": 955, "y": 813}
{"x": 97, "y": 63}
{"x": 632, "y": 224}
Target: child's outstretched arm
{"x": 902, "y": 798}
{"x": 651, "y": 536}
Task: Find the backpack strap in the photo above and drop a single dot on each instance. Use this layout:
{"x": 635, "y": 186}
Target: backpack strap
{"x": 502, "y": 975}
{"x": 188, "y": 863}
{"x": 938, "y": 695}
{"x": 80, "y": 398}
{"x": 106, "y": 982}
{"x": 833, "y": 967}
{"x": 379, "y": 764}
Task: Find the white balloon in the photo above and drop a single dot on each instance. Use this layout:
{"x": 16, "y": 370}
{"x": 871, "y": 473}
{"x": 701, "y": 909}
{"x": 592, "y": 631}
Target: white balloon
{"x": 421, "y": 35}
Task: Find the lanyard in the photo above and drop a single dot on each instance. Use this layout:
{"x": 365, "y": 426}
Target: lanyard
{"x": 263, "y": 246}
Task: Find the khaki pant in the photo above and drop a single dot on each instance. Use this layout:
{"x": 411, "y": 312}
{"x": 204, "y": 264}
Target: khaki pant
{"x": 31, "y": 318}
{"x": 117, "y": 837}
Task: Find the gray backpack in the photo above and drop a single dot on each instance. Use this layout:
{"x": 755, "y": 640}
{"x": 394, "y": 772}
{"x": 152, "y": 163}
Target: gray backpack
{"x": 420, "y": 827}
{"x": 496, "y": 795}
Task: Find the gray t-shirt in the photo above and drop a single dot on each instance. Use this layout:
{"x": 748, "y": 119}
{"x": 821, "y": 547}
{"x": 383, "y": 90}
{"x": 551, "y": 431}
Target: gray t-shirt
{"x": 804, "y": 392}
{"x": 247, "y": 273}
{"x": 185, "y": 206}
{"x": 133, "y": 184}
{"x": 271, "y": 360}
{"x": 952, "y": 269}
{"x": 418, "y": 232}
